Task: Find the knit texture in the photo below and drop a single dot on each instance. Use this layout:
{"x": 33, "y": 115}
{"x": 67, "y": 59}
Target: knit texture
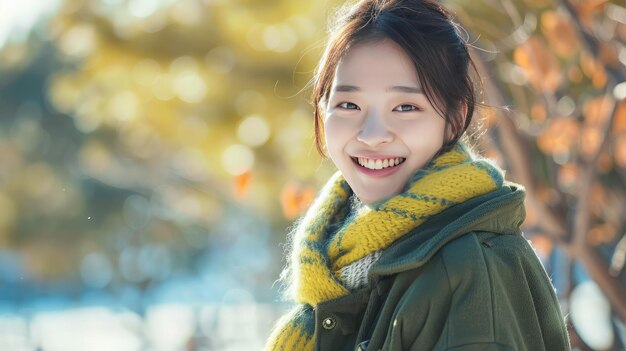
{"x": 354, "y": 275}
{"x": 323, "y": 252}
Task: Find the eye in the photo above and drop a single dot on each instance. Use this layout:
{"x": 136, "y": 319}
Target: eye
{"x": 344, "y": 103}
{"x": 411, "y": 108}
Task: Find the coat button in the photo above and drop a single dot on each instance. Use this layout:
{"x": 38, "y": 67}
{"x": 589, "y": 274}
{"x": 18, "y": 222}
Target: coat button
{"x": 329, "y": 323}
{"x": 362, "y": 346}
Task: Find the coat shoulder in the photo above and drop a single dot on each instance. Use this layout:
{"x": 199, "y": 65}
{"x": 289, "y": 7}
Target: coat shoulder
{"x": 505, "y": 279}
{"x": 482, "y": 290}
{"x": 474, "y": 252}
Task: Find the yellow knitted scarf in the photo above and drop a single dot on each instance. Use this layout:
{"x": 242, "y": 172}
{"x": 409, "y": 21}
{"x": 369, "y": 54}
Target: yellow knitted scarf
{"x": 317, "y": 255}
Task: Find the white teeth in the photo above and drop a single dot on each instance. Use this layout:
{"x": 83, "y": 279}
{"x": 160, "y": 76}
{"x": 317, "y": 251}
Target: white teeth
{"x": 379, "y": 164}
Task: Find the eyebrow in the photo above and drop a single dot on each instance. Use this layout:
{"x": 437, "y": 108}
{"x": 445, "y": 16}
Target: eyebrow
{"x": 397, "y": 88}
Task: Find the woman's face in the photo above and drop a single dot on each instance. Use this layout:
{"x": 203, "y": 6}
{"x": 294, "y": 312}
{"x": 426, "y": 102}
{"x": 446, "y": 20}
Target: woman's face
{"x": 379, "y": 127}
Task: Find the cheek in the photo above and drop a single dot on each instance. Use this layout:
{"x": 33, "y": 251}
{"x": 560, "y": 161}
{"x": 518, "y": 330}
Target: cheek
{"x": 337, "y": 132}
{"x": 422, "y": 134}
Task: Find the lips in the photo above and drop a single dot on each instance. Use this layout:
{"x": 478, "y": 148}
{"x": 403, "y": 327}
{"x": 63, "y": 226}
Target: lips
{"x": 378, "y": 173}
{"x": 378, "y": 163}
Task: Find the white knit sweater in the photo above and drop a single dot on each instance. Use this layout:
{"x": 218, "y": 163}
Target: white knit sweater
{"x": 354, "y": 275}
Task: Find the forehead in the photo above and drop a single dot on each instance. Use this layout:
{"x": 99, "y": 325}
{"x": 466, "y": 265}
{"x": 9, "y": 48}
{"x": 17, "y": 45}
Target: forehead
{"x": 375, "y": 64}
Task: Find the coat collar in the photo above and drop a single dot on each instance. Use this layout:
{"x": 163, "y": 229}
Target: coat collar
{"x": 500, "y": 211}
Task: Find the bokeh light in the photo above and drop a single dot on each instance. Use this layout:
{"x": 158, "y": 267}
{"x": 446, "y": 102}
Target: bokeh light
{"x": 253, "y": 131}
{"x": 237, "y": 159}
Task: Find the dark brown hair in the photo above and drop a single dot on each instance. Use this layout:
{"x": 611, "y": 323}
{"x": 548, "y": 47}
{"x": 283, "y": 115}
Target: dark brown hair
{"x": 430, "y": 38}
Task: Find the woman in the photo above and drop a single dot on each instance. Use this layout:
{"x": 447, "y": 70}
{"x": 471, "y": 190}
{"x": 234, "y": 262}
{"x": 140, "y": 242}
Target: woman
{"x": 414, "y": 243}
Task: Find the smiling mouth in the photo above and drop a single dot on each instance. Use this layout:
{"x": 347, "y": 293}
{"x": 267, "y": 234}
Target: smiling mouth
{"x": 378, "y": 164}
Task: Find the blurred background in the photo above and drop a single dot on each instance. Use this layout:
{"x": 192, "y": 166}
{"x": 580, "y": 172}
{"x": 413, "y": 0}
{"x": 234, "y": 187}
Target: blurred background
{"x": 153, "y": 154}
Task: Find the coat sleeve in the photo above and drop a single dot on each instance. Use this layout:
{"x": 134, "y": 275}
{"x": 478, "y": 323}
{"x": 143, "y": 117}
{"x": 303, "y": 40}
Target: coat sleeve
{"x": 498, "y": 297}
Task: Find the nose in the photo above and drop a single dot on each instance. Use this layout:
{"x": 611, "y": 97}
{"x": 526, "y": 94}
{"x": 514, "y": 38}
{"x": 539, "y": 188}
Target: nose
{"x": 374, "y": 131}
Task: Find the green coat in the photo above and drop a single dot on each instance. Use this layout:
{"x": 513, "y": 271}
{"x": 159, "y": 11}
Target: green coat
{"x": 466, "y": 280}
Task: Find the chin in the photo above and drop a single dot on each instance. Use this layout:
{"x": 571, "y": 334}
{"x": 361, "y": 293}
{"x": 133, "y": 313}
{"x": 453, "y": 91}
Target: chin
{"x": 359, "y": 183}
{"x": 369, "y": 198}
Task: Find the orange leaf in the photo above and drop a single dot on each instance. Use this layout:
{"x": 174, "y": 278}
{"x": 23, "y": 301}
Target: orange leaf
{"x": 619, "y": 150}
{"x": 538, "y": 112}
{"x": 601, "y": 233}
{"x": 605, "y": 162}
{"x": 592, "y": 68}
{"x": 542, "y": 245}
{"x": 560, "y": 33}
{"x": 538, "y": 63}
{"x": 619, "y": 123}
{"x": 590, "y": 140}
{"x": 574, "y": 74}
{"x": 588, "y": 8}
{"x": 597, "y": 198}
{"x": 608, "y": 54}
{"x": 599, "y": 78}
{"x": 242, "y": 184}
{"x": 559, "y": 135}
{"x": 568, "y": 176}
{"x": 295, "y": 198}
{"x": 596, "y": 110}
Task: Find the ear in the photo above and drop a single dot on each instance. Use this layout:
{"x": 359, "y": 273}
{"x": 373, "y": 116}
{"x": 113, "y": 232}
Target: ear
{"x": 462, "y": 115}
{"x": 462, "y": 112}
